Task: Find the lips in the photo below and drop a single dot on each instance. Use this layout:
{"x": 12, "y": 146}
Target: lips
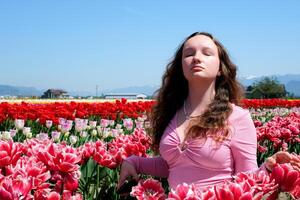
{"x": 197, "y": 68}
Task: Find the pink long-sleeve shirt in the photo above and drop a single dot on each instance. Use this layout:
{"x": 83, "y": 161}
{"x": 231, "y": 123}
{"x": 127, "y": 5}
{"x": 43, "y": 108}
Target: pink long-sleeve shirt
{"x": 202, "y": 162}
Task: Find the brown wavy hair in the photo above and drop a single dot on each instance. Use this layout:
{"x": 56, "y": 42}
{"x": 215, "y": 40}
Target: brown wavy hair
{"x": 174, "y": 90}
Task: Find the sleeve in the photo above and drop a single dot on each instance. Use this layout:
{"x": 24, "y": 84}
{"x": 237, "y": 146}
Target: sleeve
{"x": 244, "y": 144}
{"x": 155, "y": 166}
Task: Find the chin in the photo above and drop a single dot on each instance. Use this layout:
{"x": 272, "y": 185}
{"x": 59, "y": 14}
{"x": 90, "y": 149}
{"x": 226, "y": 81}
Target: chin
{"x": 201, "y": 77}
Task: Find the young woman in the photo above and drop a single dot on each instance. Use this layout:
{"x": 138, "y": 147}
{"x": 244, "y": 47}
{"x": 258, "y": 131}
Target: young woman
{"x": 202, "y": 135}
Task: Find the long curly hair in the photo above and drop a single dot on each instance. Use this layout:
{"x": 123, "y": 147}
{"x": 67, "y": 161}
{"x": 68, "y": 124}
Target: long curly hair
{"x": 174, "y": 90}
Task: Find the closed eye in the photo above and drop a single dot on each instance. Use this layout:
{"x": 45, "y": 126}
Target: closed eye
{"x": 207, "y": 54}
{"x": 188, "y": 55}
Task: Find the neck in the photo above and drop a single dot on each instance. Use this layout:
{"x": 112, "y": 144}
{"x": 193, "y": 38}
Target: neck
{"x": 200, "y": 97}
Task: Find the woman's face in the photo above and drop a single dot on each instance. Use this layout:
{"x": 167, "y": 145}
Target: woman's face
{"x": 200, "y": 58}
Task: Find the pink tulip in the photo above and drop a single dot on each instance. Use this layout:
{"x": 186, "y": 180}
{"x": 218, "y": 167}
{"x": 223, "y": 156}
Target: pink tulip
{"x": 10, "y": 152}
{"x": 285, "y": 176}
{"x": 184, "y": 192}
{"x": 104, "y": 123}
{"x": 35, "y": 171}
{"x": 296, "y": 191}
{"x": 60, "y": 158}
{"x": 70, "y": 196}
{"x": 15, "y": 188}
{"x": 208, "y": 194}
{"x": 46, "y": 194}
{"x": 149, "y": 189}
{"x": 86, "y": 151}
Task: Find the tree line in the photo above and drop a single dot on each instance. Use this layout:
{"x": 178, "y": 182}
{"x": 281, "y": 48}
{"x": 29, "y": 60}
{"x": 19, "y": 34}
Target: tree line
{"x": 267, "y": 88}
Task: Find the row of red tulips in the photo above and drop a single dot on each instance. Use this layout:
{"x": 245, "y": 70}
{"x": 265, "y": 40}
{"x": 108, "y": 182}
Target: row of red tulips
{"x": 109, "y": 110}
{"x": 54, "y": 111}
{"x": 270, "y": 103}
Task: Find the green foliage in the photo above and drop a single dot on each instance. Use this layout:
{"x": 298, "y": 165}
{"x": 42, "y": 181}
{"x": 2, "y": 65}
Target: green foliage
{"x": 267, "y": 88}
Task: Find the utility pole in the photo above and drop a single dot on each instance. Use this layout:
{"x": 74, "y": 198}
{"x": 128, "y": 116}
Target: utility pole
{"x": 96, "y": 90}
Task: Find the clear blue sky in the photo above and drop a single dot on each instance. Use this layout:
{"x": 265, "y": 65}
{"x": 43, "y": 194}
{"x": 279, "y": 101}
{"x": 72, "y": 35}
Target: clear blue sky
{"x": 76, "y": 45}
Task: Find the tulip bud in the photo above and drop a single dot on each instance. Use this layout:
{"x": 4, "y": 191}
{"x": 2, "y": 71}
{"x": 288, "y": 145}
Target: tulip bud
{"x": 61, "y": 120}
{"x": 19, "y": 124}
{"x": 28, "y": 135}
{"x": 284, "y": 146}
{"x": 118, "y": 126}
{"x": 104, "y": 123}
{"x": 115, "y": 132}
{"x": 42, "y": 136}
{"x": 139, "y": 124}
{"x": 83, "y": 134}
{"x": 73, "y": 139}
{"x": 93, "y": 124}
{"x": 13, "y": 132}
{"x": 144, "y": 117}
{"x": 106, "y": 132}
{"x": 49, "y": 123}
{"x": 6, "y": 135}
{"x": 66, "y": 134}
{"x": 128, "y": 123}
{"x": 94, "y": 133}
{"x": 55, "y": 135}
{"x": 26, "y": 130}
{"x": 78, "y": 125}
{"x": 120, "y": 131}
{"x": 100, "y": 133}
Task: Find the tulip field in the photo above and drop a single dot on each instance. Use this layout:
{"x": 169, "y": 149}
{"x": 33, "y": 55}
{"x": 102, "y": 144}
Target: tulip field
{"x": 73, "y": 150}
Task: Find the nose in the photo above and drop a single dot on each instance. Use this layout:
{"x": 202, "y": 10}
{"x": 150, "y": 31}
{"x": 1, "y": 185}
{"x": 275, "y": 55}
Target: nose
{"x": 197, "y": 58}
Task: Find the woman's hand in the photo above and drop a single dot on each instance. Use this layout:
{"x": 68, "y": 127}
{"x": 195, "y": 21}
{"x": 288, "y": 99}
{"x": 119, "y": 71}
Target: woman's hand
{"x": 127, "y": 169}
{"x": 282, "y": 157}
{"x": 295, "y": 162}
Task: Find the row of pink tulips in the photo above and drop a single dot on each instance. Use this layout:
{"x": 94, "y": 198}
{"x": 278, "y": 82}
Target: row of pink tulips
{"x": 280, "y": 133}
{"x": 41, "y": 169}
{"x": 252, "y": 186}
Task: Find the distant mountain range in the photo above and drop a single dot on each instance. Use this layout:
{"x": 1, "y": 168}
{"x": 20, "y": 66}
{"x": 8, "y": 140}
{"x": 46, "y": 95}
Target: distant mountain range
{"x": 8, "y": 90}
{"x": 291, "y": 81}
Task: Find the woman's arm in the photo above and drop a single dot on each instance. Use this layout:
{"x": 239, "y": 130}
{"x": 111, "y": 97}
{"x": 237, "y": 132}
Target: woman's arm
{"x": 244, "y": 148}
{"x": 155, "y": 166}
{"x": 244, "y": 144}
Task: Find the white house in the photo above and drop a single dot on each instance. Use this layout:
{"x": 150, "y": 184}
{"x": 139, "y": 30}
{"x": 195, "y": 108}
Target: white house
{"x": 125, "y": 95}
